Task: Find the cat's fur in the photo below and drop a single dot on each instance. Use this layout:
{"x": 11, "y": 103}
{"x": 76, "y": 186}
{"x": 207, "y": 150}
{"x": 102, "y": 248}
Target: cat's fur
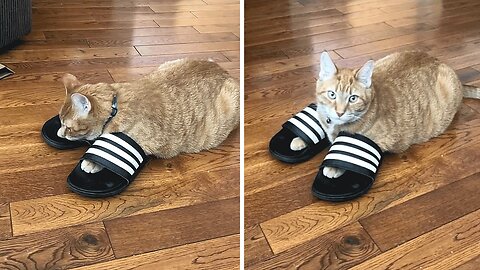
{"x": 184, "y": 106}
{"x": 403, "y": 99}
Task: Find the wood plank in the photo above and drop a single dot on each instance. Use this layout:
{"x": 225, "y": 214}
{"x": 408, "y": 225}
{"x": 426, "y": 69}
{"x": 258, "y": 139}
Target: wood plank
{"x": 157, "y": 40}
{"x": 65, "y": 11}
{"x": 393, "y": 226}
{"x": 220, "y": 7}
{"x": 184, "y": 225}
{"x": 188, "y": 48}
{"x": 50, "y": 44}
{"x": 393, "y": 42}
{"x": 220, "y": 253}
{"x": 35, "y": 183}
{"x": 394, "y": 185}
{"x": 119, "y": 33}
{"x": 198, "y": 21}
{"x": 470, "y": 265}
{"x": 232, "y": 56}
{"x": 5, "y": 224}
{"x": 216, "y": 13}
{"x": 187, "y": 180}
{"x": 65, "y": 54}
{"x": 340, "y": 249}
{"x": 255, "y": 246}
{"x": 55, "y": 26}
{"x": 58, "y": 249}
{"x": 217, "y": 28}
{"x": 443, "y": 248}
{"x": 144, "y": 16}
{"x": 109, "y": 3}
{"x": 82, "y": 65}
{"x": 292, "y": 34}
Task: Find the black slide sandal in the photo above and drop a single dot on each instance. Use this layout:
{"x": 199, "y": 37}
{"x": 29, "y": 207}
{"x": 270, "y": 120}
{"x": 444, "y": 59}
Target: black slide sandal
{"x": 360, "y": 157}
{"x": 122, "y": 160}
{"x": 49, "y": 134}
{"x": 305, "y": 125}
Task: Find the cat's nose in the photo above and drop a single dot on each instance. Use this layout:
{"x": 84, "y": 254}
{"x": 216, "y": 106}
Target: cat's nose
{"x": 340, "y": 114}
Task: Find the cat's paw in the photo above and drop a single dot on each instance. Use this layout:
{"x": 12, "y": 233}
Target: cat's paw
{"x": 297, "y": 144}
{"x": 90, "y": 167}
{"x": 333, "y": 172}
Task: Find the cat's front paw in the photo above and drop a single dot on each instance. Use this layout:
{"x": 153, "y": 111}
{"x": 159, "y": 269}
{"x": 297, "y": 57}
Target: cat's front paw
{"x": 333, "y": 172}
{"x": 90, "y": 167}
{"x": 297, "y": 144}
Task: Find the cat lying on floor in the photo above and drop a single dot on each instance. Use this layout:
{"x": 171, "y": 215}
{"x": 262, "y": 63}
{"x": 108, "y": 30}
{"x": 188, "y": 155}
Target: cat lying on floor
{"x": 402, "y": 99}
{"x": 184, "y": 106}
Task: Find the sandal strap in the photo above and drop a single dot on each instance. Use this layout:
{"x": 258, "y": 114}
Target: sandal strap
{"x": 306, "y": 125}
{"x": 118, "y": 153}
{"x": 354, "y": 152}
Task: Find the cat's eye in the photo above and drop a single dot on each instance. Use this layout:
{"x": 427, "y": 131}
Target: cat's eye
{"x": 69, "y": 129}
{"x": 331, "y": 95}
{"x": 353, "y": 99}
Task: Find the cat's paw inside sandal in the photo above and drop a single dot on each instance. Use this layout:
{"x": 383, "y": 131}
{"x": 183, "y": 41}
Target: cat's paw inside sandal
{"x": 331, "y": 172}
{"x": 90, "y": 167}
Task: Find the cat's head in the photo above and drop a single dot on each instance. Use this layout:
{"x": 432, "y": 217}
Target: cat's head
{"x": 82, "y": 115}
{"x": 343, "y": 95}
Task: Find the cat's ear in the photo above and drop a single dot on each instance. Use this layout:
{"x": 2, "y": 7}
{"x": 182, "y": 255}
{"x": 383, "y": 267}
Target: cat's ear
{"x": 81, "y": 104}
{"x": 364, "y": 74}
{"x": 327, "y": 67}
{"x": 70, "y": 82}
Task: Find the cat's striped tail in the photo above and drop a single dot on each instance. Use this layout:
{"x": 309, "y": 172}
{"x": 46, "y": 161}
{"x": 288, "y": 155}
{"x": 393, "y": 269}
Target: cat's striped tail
{"x": 471, "y": 92}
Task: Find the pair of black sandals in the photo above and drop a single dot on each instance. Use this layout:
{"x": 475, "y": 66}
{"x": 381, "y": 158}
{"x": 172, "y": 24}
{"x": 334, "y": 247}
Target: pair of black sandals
{"x": 359, "y": 156}
{"x": 120, "y": 156}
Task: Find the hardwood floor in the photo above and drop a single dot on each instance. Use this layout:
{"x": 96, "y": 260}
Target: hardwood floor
{"x": 180, "y": 213}
{"x": 423, "y": 210}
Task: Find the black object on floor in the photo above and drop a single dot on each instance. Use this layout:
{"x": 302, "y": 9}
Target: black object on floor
{"x": 122, "y": 160}
{"x": 360, "y": 157}
{"x": 49, "y": 134}
{"x": 305, "y": 125}
{"x": 5, "y": 71}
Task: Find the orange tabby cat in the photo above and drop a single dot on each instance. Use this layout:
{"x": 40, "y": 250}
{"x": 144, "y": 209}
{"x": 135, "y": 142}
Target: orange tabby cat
{"x": 402, "y": 99}
{"x": 183, "y": 106}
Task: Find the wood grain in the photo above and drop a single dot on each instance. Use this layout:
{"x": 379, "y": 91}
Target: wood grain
{"x": 283, "y": 42}
{"x": 62, "y": 54}
{"x": 95, "y": 40}
{"x": 145, "y": 195}
{"x": 256, "y": 248}
{"x": 340, "y": 249}
{"x": 5, "y": 224}
{"x": 156, "y": 40}
{"x": 74, "y": 66}
{"x": 470, "y": 265}
{"x": 188, "y": 48}
{"x": 393, "y": 227}
{"x": 393, "y": 186}
{"x": 443, "y": 248}
{"x": 119, "y": 33}
{"x": 59, "y": 249}
{"x": 219, "y": 253}
{"x": 180, "y": 226}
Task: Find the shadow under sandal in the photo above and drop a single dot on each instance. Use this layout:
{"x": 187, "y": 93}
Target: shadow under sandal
{"x": 305, "y": 125}
{"x": 360, "y": 157}
{"x": 49, "y": 134}
{"x": 121, "y": 158}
